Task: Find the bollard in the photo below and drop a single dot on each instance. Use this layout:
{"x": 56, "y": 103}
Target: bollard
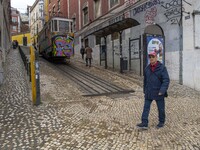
{"x": 35, "y": 78}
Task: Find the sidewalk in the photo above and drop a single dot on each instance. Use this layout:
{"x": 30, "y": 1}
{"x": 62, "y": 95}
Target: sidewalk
{"x": 67, "y": 121}
{"x": 21, "y": 123}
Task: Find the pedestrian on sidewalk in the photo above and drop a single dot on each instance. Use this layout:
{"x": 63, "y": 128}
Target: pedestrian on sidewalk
{"x": 88, "y": 51}
{"x": 82, "y": 51}
{"x": 156, "y": 83}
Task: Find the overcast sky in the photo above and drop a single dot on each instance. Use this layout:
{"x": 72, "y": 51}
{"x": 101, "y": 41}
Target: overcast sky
{"x": 21, "y": 5}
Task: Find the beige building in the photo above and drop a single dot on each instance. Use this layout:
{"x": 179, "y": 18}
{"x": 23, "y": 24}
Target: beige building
{"x": 36, "y": 19}
{"x": 5, "y": 41}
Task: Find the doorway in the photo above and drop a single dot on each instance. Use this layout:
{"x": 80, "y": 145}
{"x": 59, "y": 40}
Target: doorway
{"x": 153, "y": 40}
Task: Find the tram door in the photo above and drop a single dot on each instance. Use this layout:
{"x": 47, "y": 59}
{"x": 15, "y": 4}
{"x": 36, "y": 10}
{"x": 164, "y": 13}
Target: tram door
{"x": 153, "y": 40}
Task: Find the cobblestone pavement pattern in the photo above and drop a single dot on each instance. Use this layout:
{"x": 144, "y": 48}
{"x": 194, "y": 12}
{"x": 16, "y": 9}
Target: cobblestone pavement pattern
{"x": 68, "y": 121}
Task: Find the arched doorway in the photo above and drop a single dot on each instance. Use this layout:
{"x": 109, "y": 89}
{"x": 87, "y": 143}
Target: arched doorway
{"x": 153, "y": 40}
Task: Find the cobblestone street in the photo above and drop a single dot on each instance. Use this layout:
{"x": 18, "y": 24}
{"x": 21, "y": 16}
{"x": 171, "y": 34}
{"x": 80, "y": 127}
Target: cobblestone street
{"x": 66, "y": 120}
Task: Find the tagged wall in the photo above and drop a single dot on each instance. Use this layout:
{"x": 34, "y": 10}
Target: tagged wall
{"x": 182, "y": 48}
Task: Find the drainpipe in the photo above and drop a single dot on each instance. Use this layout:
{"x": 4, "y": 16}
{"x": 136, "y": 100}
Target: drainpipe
{"x": 105, "y": 37}
{"x": 68, "y": 9}
{"x": 79, "y": 14}
{"x": 120, "y": 46}
{"x": 181, "y": 47}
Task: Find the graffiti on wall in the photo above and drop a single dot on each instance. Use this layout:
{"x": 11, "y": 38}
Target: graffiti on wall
{"x": 173, "y": 10}
{"x": 130, "y": 2}
{"x": 150, "y": 15}
{"x": 63, "y": 45}
{"x": 145, "y": 6}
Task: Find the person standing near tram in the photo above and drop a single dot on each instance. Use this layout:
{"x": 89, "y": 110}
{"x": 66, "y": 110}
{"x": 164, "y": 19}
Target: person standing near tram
{"x": 88, "y": 52}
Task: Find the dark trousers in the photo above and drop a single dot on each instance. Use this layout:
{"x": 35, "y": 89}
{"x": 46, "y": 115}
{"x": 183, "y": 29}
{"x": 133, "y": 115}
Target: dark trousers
{"x": 88, "y": 59}
{"x": 82, "y": 56}
{"x": 161, "y": 110}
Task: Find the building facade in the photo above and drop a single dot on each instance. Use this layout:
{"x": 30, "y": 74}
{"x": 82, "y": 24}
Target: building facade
{"x": 16, "y": 21}
{"x": 122, "y": 33}
{"x": 5, "y": 41}
{"x": 58, "y": 8}
{"x": 36, "y": 20}
{"x": 190, "y": 61}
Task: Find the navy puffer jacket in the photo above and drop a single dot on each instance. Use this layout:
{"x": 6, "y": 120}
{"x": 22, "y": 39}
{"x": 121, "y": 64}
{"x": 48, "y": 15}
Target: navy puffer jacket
{"x": 156, "y": 82}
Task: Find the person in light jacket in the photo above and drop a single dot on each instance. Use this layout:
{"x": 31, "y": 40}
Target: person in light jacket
{"x": 156, "y": 83}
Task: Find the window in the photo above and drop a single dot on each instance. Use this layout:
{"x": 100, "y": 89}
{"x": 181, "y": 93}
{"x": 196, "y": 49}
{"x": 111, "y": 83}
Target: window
{"x": 53, "y": 11}
{"x": 97, "y": 8}
{"x": 197, "y": 31}
{"x": 58, "y": 5}
{"x": 63, "y": 26}
{"x": 85, "y": 15}
{"x": 14, "y": 28}
{"x": 55, "y": 25}
{"x": 37, "y": 29}
{"x": 113, "y": 3}
{"x": 74, "y": 24}
{"x": 14, "y": 19}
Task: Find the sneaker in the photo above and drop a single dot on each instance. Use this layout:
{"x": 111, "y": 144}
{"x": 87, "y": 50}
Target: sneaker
{"x": 160, "y": 125}
{"x": 142, "y": 126}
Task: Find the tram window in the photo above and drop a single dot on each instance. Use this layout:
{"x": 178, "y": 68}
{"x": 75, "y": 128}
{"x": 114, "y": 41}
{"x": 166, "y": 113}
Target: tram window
{"x": 55, "y": 25}
{"x": 63, "y": 26}
{"x": 52, "y": 26}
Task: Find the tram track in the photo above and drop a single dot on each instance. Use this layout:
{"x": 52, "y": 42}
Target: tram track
{"x": 89, "y": 84}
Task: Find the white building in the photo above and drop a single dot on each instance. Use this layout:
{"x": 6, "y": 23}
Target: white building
{"x": 191, "y": 44}
{"x": 36, "y": 19}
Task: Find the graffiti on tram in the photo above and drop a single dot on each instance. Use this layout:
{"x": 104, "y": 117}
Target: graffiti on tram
{"x": 63, "y": 45}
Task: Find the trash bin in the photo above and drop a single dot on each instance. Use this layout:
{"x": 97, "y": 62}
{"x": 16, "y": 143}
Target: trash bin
{"x": 124, "y": 63}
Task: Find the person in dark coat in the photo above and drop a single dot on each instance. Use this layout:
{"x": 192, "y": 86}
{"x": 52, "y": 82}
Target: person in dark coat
{"x": 82, "y": 51}
{"x": 156, "y": 83}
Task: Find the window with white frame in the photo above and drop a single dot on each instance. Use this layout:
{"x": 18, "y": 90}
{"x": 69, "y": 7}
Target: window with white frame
{"x": 85, "y": 15}
{"x": 97, "y": 8}
{"x": 113, "y": 3}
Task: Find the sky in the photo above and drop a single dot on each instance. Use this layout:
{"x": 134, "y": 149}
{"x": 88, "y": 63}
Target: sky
{"x": 21, "y": 5}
